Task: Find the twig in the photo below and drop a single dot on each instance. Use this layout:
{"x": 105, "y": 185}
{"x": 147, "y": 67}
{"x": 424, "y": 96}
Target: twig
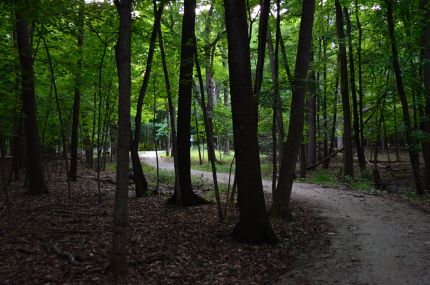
{"x": 64, "y": 254}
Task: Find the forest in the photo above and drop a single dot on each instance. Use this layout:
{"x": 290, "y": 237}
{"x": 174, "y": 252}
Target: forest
{"x": 215, "y": 142}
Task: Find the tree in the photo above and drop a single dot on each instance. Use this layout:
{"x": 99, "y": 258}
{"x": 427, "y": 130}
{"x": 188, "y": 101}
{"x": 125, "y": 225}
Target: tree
{"x": 348, "y": 168}
{"x": 36, "y": 182}
{"x": 185, "y": 195}
{"x": 254, "y": 225}
{"x": 77, "y": 97}
{"x": 410, "y": 140}
{"x": 118, "y": 263}
{"x": 425, "y": 42}
{"x": 281, "y": 197}
{"x": 139, "y": 176}
{"x": 355, "y": 106}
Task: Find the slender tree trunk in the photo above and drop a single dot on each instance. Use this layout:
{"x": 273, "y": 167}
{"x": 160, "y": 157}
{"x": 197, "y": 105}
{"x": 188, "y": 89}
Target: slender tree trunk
{"x": 118, "y": 263}
{"x": 253, "y": 225}
{"x": 139, "y": 176}
{"x": 172, "y": 115}
{"x": 60, "y": 118}
{"x": 360, "y": 74}
{"x": 312, "y": 118}
{"x": 274, "y": 65}
{"x": 226, "y": 102}
{"x": 77, "y": 98}
{"x": 324, "y": 102}
{"x": 282, "y": 195}
{"x": 36, "y": 182}
{"x": 209, "y": 137}
{"x": 189, "y": 198}
{"x": 348, "y": 169}
{"x": 356, "y": 124}
{"x": 334, "y": 120}
{"x": 425, "y": 41}
{"x": 413, "y": 153}
{"x": 196, "y": 124}
{"x": 262, "y": 37}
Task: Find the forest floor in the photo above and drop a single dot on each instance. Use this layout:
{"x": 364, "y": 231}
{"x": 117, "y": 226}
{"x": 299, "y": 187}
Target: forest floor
{"x": 50, "y": 239}
{"x": 374, "y": 240}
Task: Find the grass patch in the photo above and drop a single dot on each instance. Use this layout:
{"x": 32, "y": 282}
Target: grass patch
{"x": 329, "y": 179}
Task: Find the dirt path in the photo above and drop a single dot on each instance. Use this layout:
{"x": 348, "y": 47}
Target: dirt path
{"x": 374, "y": 241}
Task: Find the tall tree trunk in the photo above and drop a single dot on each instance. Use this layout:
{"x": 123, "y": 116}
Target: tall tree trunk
{"x": 209, "y": 137}
{"x": 187, "y": 195}
{"x": 356, "y": 124}
{"x": 77, "y": 98}
{"x": 410, "y": 140}
{"x": 274, "y": 65}
{"x": 334, "y": 119}
{"x": 348, "y": 169}
{"x": 118, "y": 263}
{"x": 36, "y": 182}
{"x": 425, "y": 41}
{"x": 282, "y": 195}
{"x": 312, "y": 117}
{"x": 360, "y": 73}
{"x": 262, "y": 37}
{"x": 254, "y": 225}
{"x": 226, "y": 101}
{"x": 172, "y": 113}
{"x": 60, "y": 118}
{"x": 139, "y": 176}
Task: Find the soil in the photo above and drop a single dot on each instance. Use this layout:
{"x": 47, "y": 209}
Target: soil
{"x": 373, "y": 240}
{"x": 49, "y": 239}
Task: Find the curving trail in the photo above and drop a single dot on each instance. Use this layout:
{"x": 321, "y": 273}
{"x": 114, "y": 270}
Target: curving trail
{"x": 374, "y": 241}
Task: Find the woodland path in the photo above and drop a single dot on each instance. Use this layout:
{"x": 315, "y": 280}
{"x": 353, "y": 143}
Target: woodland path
{"x": 373, "y": 241}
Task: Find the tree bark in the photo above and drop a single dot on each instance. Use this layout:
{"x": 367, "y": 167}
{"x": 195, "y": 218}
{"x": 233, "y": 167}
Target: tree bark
{"x": 262, "y": 37}
{"x": 425, "y": 41}
{"x": 282, "y": 195}
{"x": 36, "y": 182}
{"x": 410, "y": 140}
{"x": 356, "y": 124}
{"x": 209, "y": 137}
{"x": 172, "y": 113}
{"x": 188, "y": 197}
{"x": 348, "y": 169}
{"x": 360, "y": 74}
{"x": 77, "y": 98}
{"x": 139, "y": 177}
{"x": 118, "y": 263}
{"x": 312, "y": 118}
{"x": 254, "y": 225}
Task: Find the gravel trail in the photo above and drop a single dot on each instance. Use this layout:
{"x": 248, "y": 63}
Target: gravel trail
{"x": 374, "y": 241}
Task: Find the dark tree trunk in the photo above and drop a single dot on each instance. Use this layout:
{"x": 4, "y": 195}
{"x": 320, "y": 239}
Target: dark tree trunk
{"x": 425, "y": 41}
{"x": 77, "y": 98}
{"x": 360, "y": 74}
{"x": 226, "y": 104}
{"x": 334, "y": 120}
{"x": 410, "y": 140}
{"x": 348, "y": 169}
{"x": 262, "y": 37}
{"x": 187, "y": 195}
{"x": 254, "y": 225}
{"x": 312, "y": 118}
{"x": 282, "y": 195}
{"x": 172, "y": 113}
{"x": 209, "y": 137}
{"x": 274, "y": 65}
{"x": 139, "y": 176}
{"x": 118, "y": 263}
{"x": 36, "y": 183}
{"x": 357, "y": 140}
